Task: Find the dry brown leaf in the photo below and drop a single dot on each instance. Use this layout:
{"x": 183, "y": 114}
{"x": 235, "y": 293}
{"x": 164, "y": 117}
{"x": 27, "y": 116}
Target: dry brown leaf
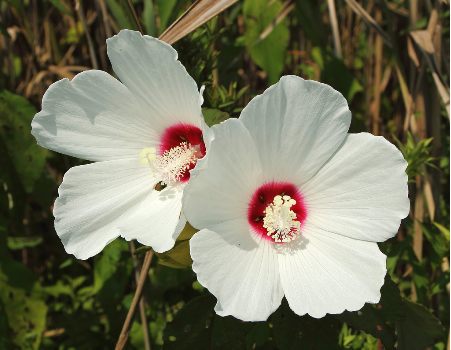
{"x": 423, "y": 39}
{"x": 54, "y": 332}
{"x": 433, "y": 20}
{"x": 360, "y": 11}
{"x": 399, "y": 10}
{"x": 429, "y": 196}
{"x": 36, "y": 80}
{"x": 334, "y": 24}
{"x": 13, "y": 31}
{"x": 199, "y": 13}
{"x": 66, "y": 71}
{"x": 412, "y": 53}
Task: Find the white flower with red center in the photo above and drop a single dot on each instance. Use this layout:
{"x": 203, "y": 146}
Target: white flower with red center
{"x": 144, "y": 135}
{"x": 292, "y": 205}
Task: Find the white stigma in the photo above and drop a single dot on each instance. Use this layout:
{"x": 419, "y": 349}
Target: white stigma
{"x": 172, "y": 164}
{"x": 280, "y": 220}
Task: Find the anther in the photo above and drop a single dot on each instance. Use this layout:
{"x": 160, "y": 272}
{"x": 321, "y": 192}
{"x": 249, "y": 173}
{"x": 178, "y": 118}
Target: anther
{"x": 280, "y": 221}
{"x": 172, "y": 164}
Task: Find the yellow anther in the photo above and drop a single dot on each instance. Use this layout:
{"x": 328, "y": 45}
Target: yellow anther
{"x": 172, "y": 164}
{"x": 278, "y": 200}
{"x": 280, "y": 221}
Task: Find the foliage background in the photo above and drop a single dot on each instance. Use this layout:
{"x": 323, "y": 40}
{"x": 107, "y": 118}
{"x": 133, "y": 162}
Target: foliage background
{"x": 49, "y": 299}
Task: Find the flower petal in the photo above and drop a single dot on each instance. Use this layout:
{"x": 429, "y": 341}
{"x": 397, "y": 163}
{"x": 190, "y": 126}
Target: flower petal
{"x": 241, "y": 272}
{"x": 201, "y": 164}
{"x": 94, "y": 201}
{"x": 149, "y": 68}
{"x": 327, "y": 273}
{"x": 222, "y": 191}
{"x": 94, "y": 117}
{"x": 157, "y": 221}
{"x": 296, "y": 125}
{"x": 361, "y": 192}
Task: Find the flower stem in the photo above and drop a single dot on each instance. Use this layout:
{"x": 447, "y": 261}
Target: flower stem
{"x": 142, "y": 309}
{"x": 131, "y": 312}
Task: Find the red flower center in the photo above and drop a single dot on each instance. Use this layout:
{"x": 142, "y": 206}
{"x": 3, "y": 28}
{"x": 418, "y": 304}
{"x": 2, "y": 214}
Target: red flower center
{"x": 179, "y": 134}
{"x": 266, "y": 217}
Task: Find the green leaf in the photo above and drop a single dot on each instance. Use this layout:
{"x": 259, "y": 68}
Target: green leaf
{"x": 372, "y": 319}
{"x": 137, "y": 336}
{"x": 178, "y": 257}
{"x": 60, "y": 6}
{"x": 112, "y": 272}
{"x": 335, "y": 73}
{"x": 443, "y": 230}
{"x": 369, "y": 321}
{"x": 187, "y": 232}
{"x": 197, "y": 327}
{"x": 165, "y": 8}
{"x": 438, "y": 242}
{"x": 303, "y": 332}
{"x": 60, "y": 288}
{"x": 23, "y": 304}
{"x": 419, "y": 329}
{"x": 112, "y": 269}
{"x": 415, "y": 154}
{"x": 149, "y": 18}
{"x": 15, "y": 243}
{"x": 391, "y": 307}
{"x": 395, "y": 252}
{"x": 309, "y": 15}
{"x": 120, "y": 15}
{"x": 268, "y": 53}
{"x": 214, "y": 116}
{"x": 420, "y": 277}
{"x": 258, "y": 335}
{"x": 141, "y": 250}
{"x": 6, "y": 340}
{"x": 189, "y": 330}
{"x": 227, "y": 333}
{"x": 241, "y": 92}
{"x": 26, "y": 156}
{"x": 440, "y": 283}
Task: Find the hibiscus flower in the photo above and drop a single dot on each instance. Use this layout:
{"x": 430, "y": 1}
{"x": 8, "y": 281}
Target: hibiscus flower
{"x": 292, "y": 205}
{"x": 144, "y": 135}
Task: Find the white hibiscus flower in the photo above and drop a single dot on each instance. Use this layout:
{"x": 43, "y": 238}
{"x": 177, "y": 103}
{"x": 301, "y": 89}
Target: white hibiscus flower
{"x": 145, "y": 131}
{"x": 291, "y": 204}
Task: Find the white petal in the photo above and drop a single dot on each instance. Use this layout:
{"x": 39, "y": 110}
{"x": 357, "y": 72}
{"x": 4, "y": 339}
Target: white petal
{"x": 223, "y": 190}
{"x": 296, "y": 125}
{"x": 94, "y": 201}
{"x": 94, "y": 117}
{"x": 361, "y": 192}
{"x": 201, "y": 164}
{"x": 240, "y": 271}
{"x": 328, "y": 273}
{"x": 157, "y": 221}
{"x": 149, "y": 68}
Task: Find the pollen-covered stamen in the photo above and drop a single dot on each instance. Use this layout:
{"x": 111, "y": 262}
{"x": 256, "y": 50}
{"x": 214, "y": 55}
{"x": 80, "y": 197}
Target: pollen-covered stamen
{"x": 173, "y": 163}
{"x": 280, "y": 221}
